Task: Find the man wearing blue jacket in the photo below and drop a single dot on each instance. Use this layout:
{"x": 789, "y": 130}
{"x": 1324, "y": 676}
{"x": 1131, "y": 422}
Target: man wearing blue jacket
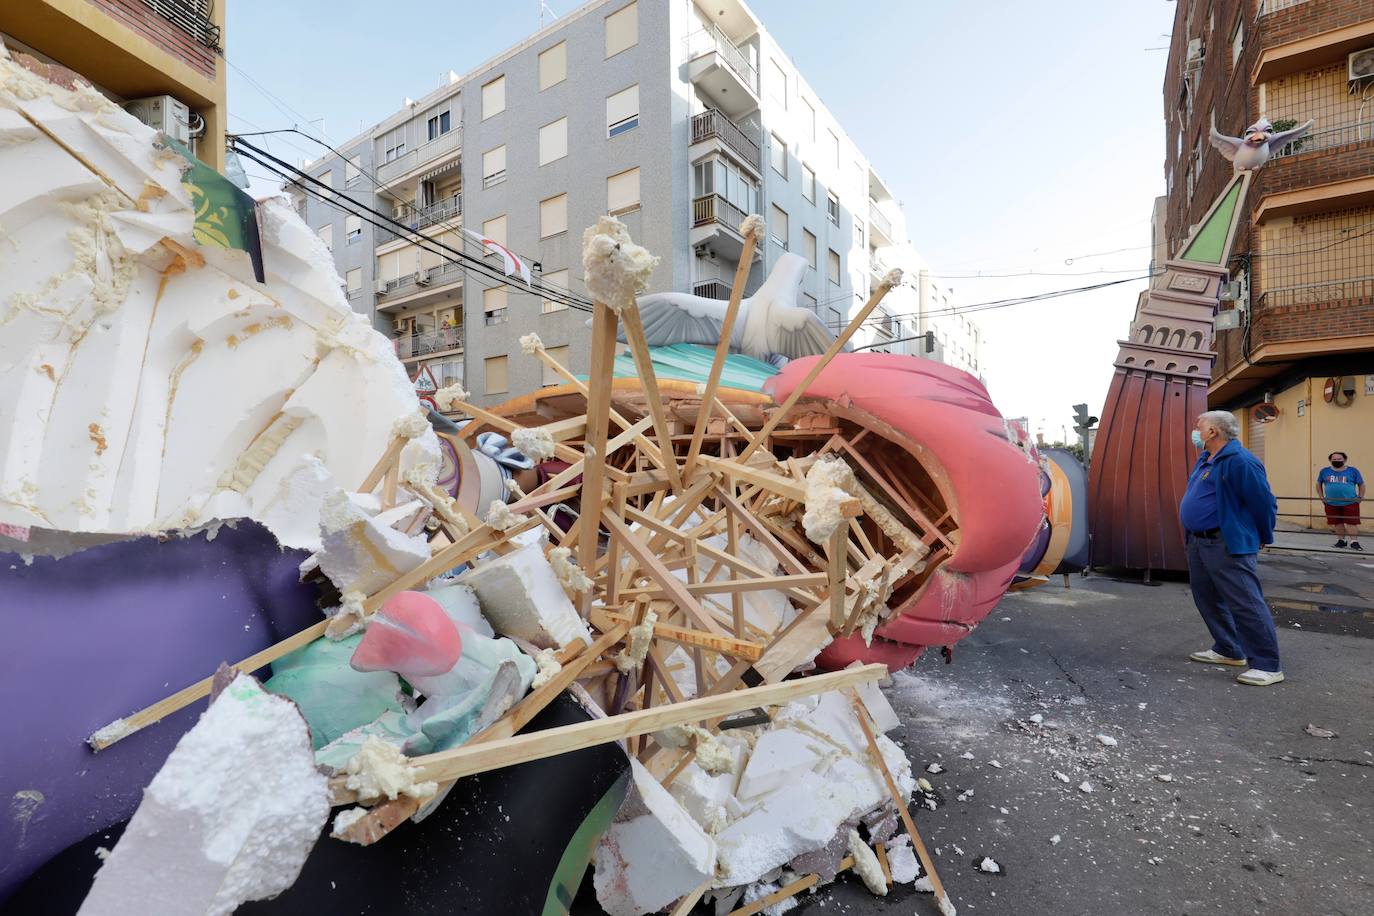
{"x": 1227, "y": 513}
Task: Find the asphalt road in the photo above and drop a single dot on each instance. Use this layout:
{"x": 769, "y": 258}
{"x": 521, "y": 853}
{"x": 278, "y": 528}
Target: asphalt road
{"x": 1212, "y": 800}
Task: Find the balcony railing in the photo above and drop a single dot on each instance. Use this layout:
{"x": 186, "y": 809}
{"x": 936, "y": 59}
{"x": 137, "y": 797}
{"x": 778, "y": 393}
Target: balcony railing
{"x": 712, "y": 123}
{"x": 424, "y": 279}
{"x": 712, "y": 289}
{"x": 426, "y": 342}
{"x": 1273, "y": 6}
{"x": 881, "y": 222}
{"x": 418, "y": 219}
{"x": 711, "y": 39}
{"x": 417, "y": 157}
{"x": 1359, "y": 288}
{"x": 191, "y": 16}
{"x": 716, "y": 209}
{"x": 1329, "y": 137}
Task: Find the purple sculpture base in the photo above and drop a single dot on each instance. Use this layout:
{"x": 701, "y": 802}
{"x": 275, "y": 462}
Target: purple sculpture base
{"x": 99, "y": 634}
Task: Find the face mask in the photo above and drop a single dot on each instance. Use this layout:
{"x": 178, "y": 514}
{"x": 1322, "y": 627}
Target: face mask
{"x": 1197, "y": 439}
{"x": 1338, "y": 464}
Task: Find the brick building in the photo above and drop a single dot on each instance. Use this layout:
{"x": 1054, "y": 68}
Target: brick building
{"x": 134, "y": 49}
{"x": 1304, "y": 258}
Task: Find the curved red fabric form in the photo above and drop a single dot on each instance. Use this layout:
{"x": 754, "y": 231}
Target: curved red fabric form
{"x": 984, "y": 466}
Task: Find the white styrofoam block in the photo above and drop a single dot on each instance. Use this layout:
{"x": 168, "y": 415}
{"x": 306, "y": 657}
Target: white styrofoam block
{"x": 780, "y": 755}
{"x": 875, "y": 701}
{"x": 358, "y": 553}
{"x": 521, "y": 595}
{"x": 229, "y": 818}
{"x": 653, "y": 852}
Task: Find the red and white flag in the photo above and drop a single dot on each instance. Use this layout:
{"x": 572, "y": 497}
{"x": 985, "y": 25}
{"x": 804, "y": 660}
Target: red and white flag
{"x": 514, "y": 266}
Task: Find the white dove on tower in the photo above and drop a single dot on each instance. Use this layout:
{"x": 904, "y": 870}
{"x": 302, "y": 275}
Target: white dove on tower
{"x": 1252, "y": 151}
{"x": 769, "y": 322}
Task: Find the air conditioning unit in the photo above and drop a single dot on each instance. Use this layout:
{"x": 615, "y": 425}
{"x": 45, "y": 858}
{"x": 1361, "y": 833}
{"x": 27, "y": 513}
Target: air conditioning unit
{"x": 422, "y": 279}
{"x": 1360, "y": 65}
{"x": 381, "y": 287}
{"x": 1228, "y": 320}
{"x": 1231, "y": 292}
{"x": 1196, "y": 52}
{"x": 164, "y": 113}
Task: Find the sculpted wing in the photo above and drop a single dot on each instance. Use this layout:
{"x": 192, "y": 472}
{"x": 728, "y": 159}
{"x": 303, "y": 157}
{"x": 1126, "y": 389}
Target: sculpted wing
{"x": 1227, "y": 146}
{"x": 797, "y": 332}
{"x": 1279, "y": 140}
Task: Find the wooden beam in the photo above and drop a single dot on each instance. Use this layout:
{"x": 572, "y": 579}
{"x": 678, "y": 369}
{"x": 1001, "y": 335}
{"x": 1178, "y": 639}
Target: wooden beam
{"x": 389, "y": 457}
{"x": 644, "y": 365}
{"x": 598, "y": 419}
{"x": 762, "y": 435}
{"x": 188, "y": 695}
{"x": 653, "y": 567}
{"x": 737, "y": 648}
{"x": 838, "y": 570}
{"x": 727, "y": 328}
{"x": 480, "y": 758}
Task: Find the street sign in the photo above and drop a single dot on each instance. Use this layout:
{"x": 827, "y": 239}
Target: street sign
{"x": 1265, "y": 413}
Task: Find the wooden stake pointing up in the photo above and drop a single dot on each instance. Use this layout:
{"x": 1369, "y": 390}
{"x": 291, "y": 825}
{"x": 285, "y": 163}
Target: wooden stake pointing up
{"x": 824, "y": 360}
{"x": 727, "y": 328}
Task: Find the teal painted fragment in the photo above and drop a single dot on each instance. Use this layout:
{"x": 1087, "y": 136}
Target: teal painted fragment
{"x": 692, "y": 363}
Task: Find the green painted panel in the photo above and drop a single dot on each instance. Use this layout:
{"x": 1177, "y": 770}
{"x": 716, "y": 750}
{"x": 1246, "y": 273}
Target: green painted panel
{"x": 1209, "y": 243}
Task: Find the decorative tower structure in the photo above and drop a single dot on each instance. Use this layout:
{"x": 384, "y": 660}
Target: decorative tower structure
{"x": 1142, "y": 455}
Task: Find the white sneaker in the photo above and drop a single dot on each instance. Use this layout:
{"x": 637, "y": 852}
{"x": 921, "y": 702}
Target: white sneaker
{"x": 1208, "y": 657}
{"x": 1254, "y": 677}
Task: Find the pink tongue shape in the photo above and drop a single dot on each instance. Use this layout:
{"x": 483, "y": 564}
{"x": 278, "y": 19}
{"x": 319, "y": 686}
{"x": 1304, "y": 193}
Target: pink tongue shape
{"x": 410, "y": 635}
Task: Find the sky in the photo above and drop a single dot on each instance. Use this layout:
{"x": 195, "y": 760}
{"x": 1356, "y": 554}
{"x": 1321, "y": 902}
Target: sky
{"x": 1020, "y": 138}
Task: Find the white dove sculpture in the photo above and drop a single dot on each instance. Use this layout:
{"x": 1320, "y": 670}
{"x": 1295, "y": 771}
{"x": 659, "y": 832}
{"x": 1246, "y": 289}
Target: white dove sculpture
{"x": 769, "y": 323}
{"x": 1251, "y": 152}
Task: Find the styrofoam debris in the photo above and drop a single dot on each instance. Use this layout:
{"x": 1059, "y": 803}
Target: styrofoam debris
{"x": 934, "y": 768}
{"x": 989, "y": 866}
{"x": 521, "y": 596}
{"x": 1106, "y": 741}
{"x": 901, "y": 860}
{"x": 866, "y": 864}
{"x": 1085, "y": 786}
{"x": 1062, "y": 777}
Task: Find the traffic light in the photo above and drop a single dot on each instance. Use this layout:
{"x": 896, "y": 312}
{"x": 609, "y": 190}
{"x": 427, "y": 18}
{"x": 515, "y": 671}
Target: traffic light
{"x": 930, "y": 341}
{"x": 1082, "y": 422}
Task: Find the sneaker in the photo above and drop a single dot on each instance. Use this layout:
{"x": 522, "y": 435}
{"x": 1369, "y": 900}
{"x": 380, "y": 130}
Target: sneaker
{"x": 1355, "y": 545}
{"x": 1340, "y": 543}
{"x": 1257, "y": 678}
{"x": 1208, "y": 657}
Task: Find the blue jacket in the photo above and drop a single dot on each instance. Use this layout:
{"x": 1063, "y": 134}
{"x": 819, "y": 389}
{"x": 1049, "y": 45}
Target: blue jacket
{"x": 1245, "y": 504}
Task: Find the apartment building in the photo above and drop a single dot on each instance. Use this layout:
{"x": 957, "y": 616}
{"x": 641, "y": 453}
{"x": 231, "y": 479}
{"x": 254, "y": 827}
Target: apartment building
{"x": 133, "y": 50}
{"x": 677, "y": 118}
{"x": 1305, "y": 273}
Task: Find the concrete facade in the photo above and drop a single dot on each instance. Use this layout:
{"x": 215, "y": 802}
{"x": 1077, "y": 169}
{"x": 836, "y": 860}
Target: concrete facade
{"x": 726, "y": 126}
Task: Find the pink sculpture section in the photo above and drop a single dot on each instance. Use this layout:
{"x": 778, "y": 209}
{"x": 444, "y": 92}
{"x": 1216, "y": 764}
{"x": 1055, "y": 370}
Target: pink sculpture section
{"x": 410, "y": 635}
{"x": 982, "y": 469}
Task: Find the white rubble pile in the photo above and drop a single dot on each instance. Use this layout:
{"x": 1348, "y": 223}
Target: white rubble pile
{"x": 359, "y": 551}
{"x": 153, "y": 383}
{"x": 802, "y": 782}
{"x": 229, "y": 818}
{"x": 652, "y": 854}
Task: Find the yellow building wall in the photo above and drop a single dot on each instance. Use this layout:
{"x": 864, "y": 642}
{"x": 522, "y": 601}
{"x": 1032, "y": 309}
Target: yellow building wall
{"x": 1295, "y": 448}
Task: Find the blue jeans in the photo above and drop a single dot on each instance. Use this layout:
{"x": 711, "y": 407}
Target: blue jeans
{"x": 1226, "y": 590}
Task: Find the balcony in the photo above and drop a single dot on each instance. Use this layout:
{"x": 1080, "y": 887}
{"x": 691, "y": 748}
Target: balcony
{"x": 1355, "y": 291}
{"x": 712, "y": 289}
{"x": 722, "y": 71}
{"x": 442, "y": 340}
{"x": 1329, "y": 137}
{"x": 418, "y": 219}
{"x": 1273, "y": 6}
{"x": 716, "y": 209}
{"x": 412, "y": 288}
{"x": 403, "y": 165}
{"x": 713, "y": 125}
{"x": 716, "y": 224}
{"x": 880, "y": 225}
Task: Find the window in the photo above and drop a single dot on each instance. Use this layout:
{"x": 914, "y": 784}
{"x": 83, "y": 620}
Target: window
{"x": 809, "y": 120}
{"x": 439, "y": 122}
{"x": 494, "y": 305}
{"x": 832, "y": 263}
{"x": 834, "y": 321}
{"x": 809, "y": 247}
{"x": 777, "y": 226}
{"x": 553, "y": 65}
{"x": 353, "y": 228}
{"x": 777, "y": 84}
{"x": 809, "y": 301}
{"x": 354, "y": 281}
{"x": 394, "y": 144}
{"x": 622, "y": 29}
{"x": 1237, "y": 40}
{"x": 808, "y": 183}
{"x": 622, "y": 192}
{"x": 724, "y": 179}
{"x": 352, "y": 169}
{"x": 557, "y": 281}
{"x": 493, "y": 97}
{"x": 835, "y": 142}
{"x": 553, "y": 216}
{"x": 622, "y": 111}
{"x": 832, "y": 208}
{"x": 553, "y": 141}
{"x": 326, "y": 234}
{"x": 495, "y": 229}
{"x": 494, "y": 166}
{"x": 560, "y": 355}
{"x": 326, "y": 178}
{"x": 858, "y": 235}
{"x": 777, "y": 155}
{"x": 496, "y": 381}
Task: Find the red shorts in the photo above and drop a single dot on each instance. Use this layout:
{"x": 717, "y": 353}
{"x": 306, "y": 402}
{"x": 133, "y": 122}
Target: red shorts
{"x": 1342, "y": 515}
